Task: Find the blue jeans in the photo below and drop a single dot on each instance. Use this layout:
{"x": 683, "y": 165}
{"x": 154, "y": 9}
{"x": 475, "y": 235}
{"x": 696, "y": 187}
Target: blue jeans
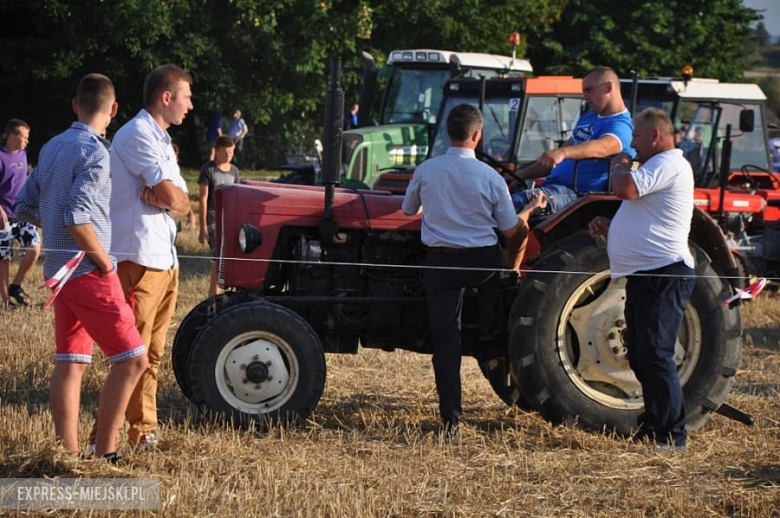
{"x": 558, "y": 197}
{"x": 655, "y": 306}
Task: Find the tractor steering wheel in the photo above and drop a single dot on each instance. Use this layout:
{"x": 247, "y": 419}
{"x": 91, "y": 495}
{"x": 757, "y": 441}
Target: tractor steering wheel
{"x": 501, "y": 168}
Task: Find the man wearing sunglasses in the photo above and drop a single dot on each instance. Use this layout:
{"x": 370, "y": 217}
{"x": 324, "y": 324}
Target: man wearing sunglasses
{"x": 603, "y": 131}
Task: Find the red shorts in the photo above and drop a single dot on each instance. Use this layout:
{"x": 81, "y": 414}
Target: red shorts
{"x": 92, "y": 308}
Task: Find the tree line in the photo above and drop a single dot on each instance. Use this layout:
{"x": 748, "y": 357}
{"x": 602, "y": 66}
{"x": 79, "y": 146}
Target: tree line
{"x": 270, "y": 58}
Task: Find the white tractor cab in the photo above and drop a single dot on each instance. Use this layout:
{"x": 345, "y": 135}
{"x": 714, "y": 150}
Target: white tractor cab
{"x": 701, "y": 110}
{"x": 414, "y": 82}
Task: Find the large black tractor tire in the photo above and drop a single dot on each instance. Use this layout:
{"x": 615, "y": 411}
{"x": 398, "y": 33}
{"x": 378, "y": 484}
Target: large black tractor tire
{"x": 258, "y": 363}
{"x": 498, "y": 372}
{"x": 566, "y": 345}
{"x": 187, "y": 332}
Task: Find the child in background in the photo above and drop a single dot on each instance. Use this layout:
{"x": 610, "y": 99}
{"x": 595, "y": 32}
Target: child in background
{"x": 213, "y": 174}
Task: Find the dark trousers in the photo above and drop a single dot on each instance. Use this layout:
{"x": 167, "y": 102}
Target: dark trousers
{"x": 655, "y": 306}
{"x": 445, "y": 289}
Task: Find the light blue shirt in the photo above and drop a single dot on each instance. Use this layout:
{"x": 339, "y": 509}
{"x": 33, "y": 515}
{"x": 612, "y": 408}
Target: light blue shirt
{"x": 142, "y": 155}
{"x": 71, "y": 186}
{"x": 236, "y": 127}
{"x": 463, "y": 200}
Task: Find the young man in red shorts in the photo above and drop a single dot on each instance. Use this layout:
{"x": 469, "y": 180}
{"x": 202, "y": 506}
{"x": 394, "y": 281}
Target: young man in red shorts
{"x": 68, "y": 195}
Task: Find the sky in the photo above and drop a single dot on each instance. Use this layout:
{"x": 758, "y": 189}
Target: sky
{"x": 771, "y": 13}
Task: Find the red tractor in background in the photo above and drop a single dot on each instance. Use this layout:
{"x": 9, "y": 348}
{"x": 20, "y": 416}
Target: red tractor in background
{"x": 734, "y": 178}
{"x": 311, "y": 270}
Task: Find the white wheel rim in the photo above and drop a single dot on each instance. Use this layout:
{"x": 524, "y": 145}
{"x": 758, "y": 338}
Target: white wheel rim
{"x": 247, "y": 396}
{"x": 590, "y": 344}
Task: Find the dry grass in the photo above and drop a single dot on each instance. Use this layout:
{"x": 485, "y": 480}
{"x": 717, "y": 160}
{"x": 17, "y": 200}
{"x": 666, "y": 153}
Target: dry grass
{"x": 371, "y": 448}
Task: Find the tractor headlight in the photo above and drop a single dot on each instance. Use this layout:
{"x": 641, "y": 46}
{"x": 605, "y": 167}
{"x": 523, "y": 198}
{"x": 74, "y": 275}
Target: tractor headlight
{"x": 249, "y": 238}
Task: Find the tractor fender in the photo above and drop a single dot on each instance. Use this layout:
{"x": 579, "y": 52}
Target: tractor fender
{"x": 707, "y": 234}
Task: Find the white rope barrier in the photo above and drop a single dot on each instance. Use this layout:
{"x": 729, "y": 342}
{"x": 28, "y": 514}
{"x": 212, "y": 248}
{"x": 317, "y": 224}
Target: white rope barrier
{"x": 404, "y": 266}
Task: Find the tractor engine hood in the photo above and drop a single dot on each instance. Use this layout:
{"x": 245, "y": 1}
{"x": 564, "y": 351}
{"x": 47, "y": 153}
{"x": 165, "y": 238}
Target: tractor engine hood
{"x": 271, "y": 207}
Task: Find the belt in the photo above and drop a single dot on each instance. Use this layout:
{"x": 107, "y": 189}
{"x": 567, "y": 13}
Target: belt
{"x": 458, "y": 251}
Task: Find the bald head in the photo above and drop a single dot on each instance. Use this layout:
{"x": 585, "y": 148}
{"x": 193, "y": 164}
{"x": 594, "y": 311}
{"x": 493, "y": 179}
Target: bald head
{"x": 603, "y": 75}
{"x": 601, "y": 90}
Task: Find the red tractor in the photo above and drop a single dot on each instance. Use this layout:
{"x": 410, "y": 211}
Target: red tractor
{"x": 315, "y": 270}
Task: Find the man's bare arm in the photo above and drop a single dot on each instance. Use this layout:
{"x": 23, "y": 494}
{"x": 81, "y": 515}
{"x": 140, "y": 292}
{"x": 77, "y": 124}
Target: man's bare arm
{"x": 165, "y": 195}
{"x": 605, "y": 146}
{"x": 622, "y": 181}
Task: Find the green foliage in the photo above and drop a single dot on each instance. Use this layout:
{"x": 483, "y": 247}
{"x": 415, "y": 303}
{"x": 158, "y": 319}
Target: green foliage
{"x": 650, "y": 36}
{"x": 271, "y": 58}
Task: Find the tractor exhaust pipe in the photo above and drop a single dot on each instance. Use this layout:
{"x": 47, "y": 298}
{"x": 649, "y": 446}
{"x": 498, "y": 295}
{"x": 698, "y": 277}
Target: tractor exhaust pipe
{"x": 331, "y": 159}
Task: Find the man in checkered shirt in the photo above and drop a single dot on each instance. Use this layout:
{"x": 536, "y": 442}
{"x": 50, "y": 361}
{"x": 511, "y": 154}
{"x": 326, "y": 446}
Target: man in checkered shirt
{"x": 68, "y": 195}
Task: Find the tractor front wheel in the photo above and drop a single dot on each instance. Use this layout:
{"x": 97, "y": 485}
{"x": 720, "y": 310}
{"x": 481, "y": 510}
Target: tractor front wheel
{"x": 259, "y": 363}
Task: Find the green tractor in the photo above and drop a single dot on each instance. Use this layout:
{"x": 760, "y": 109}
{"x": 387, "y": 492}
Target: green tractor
{"x": 412, "y": 96}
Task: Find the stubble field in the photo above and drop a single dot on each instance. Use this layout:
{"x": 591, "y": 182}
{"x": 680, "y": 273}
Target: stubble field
{"x": 372, "y": 448}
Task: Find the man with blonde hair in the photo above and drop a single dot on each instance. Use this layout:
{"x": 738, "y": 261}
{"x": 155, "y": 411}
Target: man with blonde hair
{"x": 648, "y": 243}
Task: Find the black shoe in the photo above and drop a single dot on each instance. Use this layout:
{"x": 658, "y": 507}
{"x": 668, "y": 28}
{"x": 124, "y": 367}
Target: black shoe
{"x": 450, "y": 428}
{"x": 21, "y": 297}
{"x": 112, "y": 458}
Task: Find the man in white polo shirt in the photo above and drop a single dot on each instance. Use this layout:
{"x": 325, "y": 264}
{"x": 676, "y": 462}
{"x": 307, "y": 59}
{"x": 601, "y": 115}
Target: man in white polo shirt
{"x": 648, "y": 243}
{"x": 148, "y": 193}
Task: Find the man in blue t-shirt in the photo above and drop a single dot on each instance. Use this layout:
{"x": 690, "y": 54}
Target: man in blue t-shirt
{"x": 603, "y": 131}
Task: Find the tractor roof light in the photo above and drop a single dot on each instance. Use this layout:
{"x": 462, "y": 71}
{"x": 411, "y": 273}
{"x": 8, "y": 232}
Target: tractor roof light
{"x": 435, "y": 56}
{"x": 408, "y": 56}
{"x": 514, "y": 39}
{"x": 420, "y": 56}
{"x": 249, "y": 238}
{"x": 397, "y": 56}
{"x": 687, "y": 73}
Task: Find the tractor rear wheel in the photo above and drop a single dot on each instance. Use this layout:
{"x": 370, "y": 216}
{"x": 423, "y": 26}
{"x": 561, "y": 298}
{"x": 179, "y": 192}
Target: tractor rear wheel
{"x": 567, "y": 350}
{"x": 258, "y": 363}
{"x": 498, "y": 372}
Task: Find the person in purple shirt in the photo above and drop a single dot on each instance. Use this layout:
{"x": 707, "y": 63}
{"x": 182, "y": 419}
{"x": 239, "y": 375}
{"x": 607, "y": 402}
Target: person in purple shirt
{"x": 13, "y": 174}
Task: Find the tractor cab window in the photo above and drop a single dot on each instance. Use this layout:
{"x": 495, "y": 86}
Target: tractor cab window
{"x": 441, "y": 141}
{"x": 746, "y": 148}
{"x": 350, "y": 143}
{"x": 499, "y": 116}
{"x": 697, "y": 137}
{"x": 413, "y": 95}
{"x": 548, "y": 123}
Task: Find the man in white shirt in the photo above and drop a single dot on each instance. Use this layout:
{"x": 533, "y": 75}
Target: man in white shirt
{"x": 464, "y": 201}
{"x": 648, "y": 243}
{"x": 148, "y": 193}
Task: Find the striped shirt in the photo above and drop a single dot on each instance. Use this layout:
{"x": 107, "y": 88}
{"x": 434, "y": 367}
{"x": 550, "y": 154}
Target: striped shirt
{"x": 463, "y": 201}
{"x": 71, "y": 186}
{"x": 142, "y": 155}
